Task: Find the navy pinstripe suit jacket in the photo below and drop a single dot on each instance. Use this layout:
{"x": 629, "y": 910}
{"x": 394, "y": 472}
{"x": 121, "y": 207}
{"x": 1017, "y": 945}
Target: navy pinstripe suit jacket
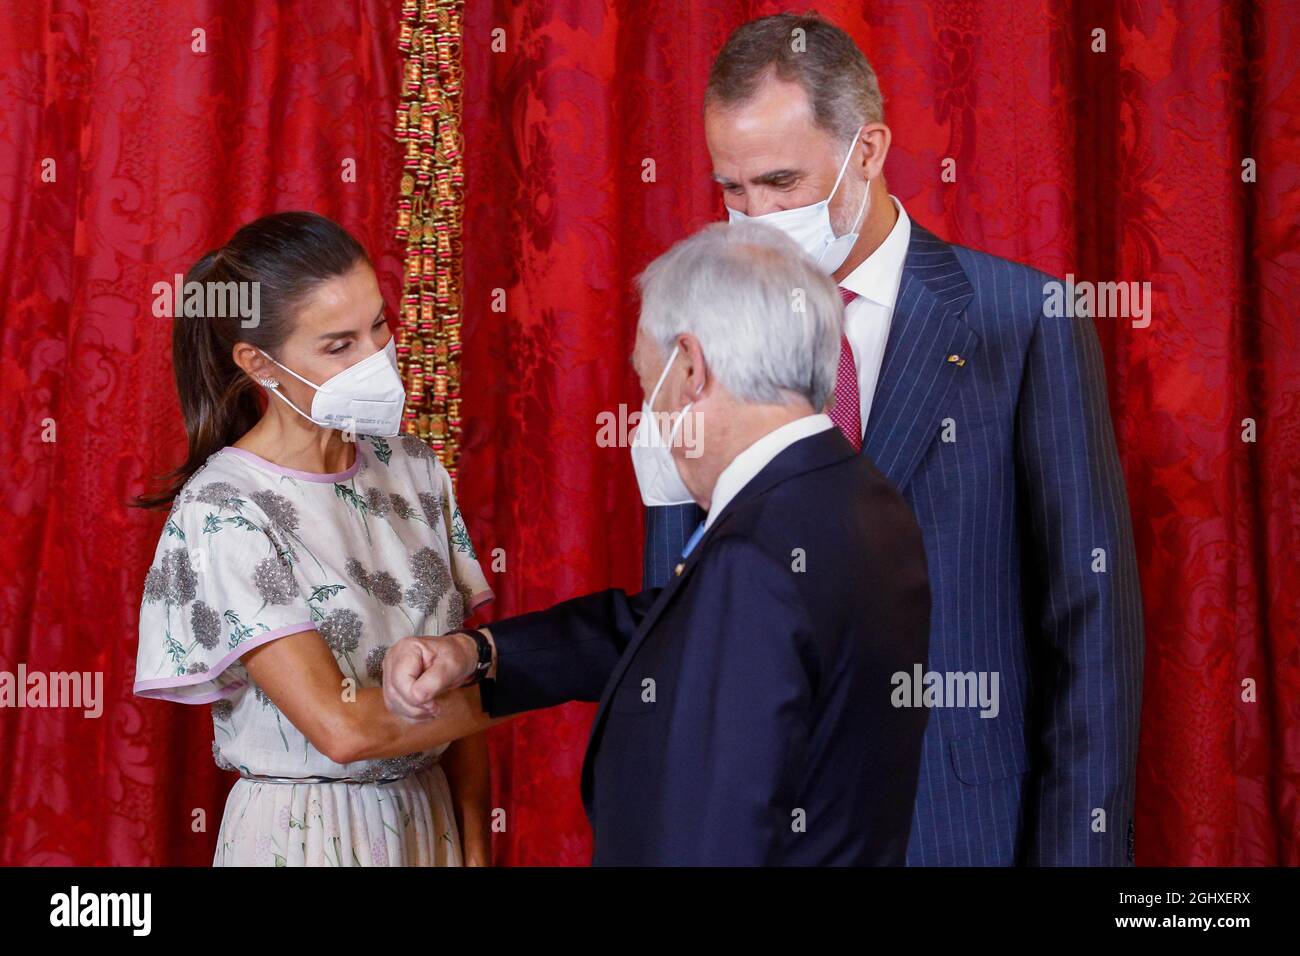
{"x": 1009, "y": 463}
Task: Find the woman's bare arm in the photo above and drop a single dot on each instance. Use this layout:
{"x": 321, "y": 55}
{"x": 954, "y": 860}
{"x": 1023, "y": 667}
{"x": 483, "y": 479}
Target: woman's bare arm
{"x": 301, "y": 676}
{"x": 469, "y": 777}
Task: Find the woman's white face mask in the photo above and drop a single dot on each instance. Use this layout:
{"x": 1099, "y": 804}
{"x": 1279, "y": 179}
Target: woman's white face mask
{"x": 810, "y": 226}
{"x": 367, "y": 397}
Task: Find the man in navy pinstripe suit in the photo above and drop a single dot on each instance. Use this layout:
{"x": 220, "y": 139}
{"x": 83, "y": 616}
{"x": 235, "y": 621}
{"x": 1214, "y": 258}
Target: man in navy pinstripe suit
{"x": 990, "y": 416}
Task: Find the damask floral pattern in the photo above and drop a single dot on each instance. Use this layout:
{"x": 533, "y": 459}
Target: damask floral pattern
{"x": 1125, "y": 165}
{"x": 1122, "y": 165}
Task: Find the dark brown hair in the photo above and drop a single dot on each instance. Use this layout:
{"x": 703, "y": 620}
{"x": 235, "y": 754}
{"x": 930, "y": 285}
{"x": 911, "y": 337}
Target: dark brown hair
{"x": 287, "y": 254}
{"x": 823, "y": 60}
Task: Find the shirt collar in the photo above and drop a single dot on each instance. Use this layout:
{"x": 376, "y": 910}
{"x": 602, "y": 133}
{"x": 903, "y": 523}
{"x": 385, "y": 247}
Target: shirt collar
{"x": 877, "y": 279}
{"x": 746, "y": 466}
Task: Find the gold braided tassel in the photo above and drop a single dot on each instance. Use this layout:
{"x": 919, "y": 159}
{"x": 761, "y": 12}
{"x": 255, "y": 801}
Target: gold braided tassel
{"x": 429, "y": 216}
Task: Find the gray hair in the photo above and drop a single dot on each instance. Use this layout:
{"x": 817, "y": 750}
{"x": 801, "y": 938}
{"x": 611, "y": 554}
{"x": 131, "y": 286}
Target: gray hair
{"x": 768, "y": 320}
{"x": 804, "y": 49}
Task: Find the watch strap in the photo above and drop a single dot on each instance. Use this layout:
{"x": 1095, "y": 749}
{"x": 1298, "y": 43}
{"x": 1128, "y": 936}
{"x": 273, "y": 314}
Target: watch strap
{"x": 484, "y": 663}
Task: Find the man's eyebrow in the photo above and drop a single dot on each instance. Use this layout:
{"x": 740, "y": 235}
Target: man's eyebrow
{"x": 770, "y": 178}
{"x": 331, "y": 336}
{"x": 775, "y": 176}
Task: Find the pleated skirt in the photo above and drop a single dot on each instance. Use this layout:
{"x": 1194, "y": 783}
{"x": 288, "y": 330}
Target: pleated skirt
{"x": 406, "y": 822}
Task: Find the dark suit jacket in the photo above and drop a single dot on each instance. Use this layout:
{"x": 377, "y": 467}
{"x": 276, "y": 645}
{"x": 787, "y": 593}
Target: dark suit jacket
{"x": 745, "y": 707}
{"x": 1009, "y": 463}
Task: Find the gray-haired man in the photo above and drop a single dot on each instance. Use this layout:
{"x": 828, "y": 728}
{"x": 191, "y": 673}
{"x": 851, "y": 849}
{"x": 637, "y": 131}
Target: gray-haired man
{"x": 745, "y": 707}
{"x": 990, "y": 416}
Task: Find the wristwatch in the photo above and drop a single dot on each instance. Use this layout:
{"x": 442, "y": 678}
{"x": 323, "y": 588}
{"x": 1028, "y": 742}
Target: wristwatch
{"x": 484, "y": 655}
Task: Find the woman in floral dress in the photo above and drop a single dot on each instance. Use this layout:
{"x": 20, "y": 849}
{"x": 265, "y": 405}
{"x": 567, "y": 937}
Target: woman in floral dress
{"x": 295, "y": 553}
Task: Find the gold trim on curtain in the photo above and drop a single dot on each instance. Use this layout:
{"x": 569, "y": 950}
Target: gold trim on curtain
{"x": 429, "y": 213}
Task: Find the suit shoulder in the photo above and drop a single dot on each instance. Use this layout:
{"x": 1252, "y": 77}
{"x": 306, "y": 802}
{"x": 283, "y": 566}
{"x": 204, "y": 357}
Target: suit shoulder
{"x": 1008, "y": 296}
{"x": 981, "y": 267}
{"x": 804, "y": 508}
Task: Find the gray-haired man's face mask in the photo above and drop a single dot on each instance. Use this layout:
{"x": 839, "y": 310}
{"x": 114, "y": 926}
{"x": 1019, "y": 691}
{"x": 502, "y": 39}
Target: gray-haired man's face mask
{"x": 652, "y": 456}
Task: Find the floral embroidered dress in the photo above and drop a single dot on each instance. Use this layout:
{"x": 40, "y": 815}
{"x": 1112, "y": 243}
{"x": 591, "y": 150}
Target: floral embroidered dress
{"x": 252, "y": 552}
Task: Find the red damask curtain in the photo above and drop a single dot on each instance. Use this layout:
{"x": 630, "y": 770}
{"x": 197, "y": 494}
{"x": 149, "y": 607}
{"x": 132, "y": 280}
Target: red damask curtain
{"x": 160, "y": 152}
{"x": 1123, "y": 164}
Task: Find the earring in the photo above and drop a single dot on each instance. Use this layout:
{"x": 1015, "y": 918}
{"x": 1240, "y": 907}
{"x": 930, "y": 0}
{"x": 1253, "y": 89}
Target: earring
{"x": 269, "y": 382}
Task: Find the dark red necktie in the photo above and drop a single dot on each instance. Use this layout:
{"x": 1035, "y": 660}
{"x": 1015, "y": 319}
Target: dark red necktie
{"x": 846, "y": 413}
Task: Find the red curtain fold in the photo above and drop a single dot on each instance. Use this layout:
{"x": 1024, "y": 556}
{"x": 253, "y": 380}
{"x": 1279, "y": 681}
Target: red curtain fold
{"x": 585, "y": 159}
{"x": 160, "y": 153}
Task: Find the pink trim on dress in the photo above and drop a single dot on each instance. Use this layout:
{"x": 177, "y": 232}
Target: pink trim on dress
{"x": 478, "y": 600}
{"x": 270, "y": 466}
{"x": 208, "y": 697}
{"x": 157, "y": 687}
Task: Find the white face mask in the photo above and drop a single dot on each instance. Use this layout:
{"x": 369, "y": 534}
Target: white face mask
{"x": 810, "y": 226}
{"x": 652, "y": 456}
{"x": 367, "y": 397}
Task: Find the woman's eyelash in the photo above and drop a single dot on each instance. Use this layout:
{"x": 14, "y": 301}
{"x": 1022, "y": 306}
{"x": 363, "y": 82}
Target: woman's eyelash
{"x": 344, "y": 346}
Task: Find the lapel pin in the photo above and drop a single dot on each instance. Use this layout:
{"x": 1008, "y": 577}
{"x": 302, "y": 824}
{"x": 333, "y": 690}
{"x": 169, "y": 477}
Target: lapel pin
{"x": 678, "y": 570}
{"x": 956, "y": 360}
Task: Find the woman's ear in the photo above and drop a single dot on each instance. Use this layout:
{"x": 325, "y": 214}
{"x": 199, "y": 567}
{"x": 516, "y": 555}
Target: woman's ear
{"x": 254, "y": 363}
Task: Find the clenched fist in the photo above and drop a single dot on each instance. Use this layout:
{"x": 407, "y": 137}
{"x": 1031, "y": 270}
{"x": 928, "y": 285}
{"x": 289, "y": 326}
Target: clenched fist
{"x": 418, "y": 669}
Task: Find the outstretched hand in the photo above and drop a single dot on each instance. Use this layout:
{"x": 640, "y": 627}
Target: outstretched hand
{"x": 418, "y": 669}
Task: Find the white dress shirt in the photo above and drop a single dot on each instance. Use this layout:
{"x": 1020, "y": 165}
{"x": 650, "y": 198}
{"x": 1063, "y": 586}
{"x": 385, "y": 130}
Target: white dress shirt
{"x": 745, "y": 466}
{"x": 867, "y": 318}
